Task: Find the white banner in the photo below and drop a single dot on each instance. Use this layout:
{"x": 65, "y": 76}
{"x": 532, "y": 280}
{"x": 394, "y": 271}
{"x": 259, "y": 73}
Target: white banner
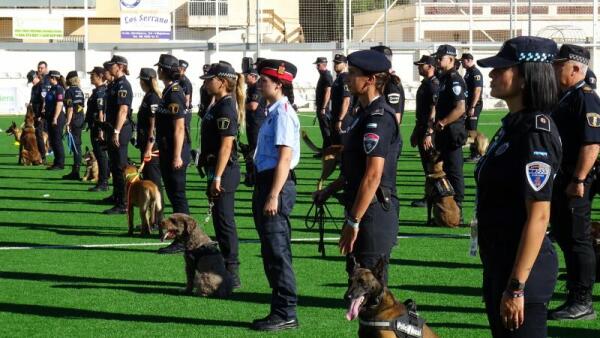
{"x": 9, "y": 101}
{"x": 145, "y": 5}
{"x": 38, "y": 27}
{"x": 145, "y": 26}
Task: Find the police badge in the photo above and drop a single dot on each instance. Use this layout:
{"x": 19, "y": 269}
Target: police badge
{"x": 370, "y": 141}
{"x": 223, "y": 123}
{"x": 593, "y": 119}
{"x": 174, "y": 108}
{"x": 122, "y": 93}
{"x": 538, "y": 174}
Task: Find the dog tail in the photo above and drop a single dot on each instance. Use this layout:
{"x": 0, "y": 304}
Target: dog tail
{"x": 157, "y": 214}
{"x": 310, "y": 143}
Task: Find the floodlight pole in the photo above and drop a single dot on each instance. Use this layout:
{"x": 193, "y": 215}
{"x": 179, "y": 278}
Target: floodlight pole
{"x": 385, "y": 23}
{"x": 470, "y": 25}
{"x": 257, "y": 28}
{"x": 345, "y": 27}
{"x": 217, "y": 28}
{"x": 86, "y": 33}
{"x": 594, "y": 33}
{"x": 49, "y": 6}
{"x": 529, "y": 30}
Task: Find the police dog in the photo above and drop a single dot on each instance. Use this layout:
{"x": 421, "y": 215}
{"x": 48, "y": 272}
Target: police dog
{"x": 477, "y": 141}
{"x": 440, "y": 195}
{"x": 329, "y": 160}
{"x": 145, "y": 195}
{"x": 26, "y": 140}
{"x": 374, "y": 305}
{"x": 205, "y": 270}
{"x": 91, "y": 166}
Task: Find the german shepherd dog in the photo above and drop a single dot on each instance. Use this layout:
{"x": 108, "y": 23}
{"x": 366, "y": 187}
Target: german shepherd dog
{"x": 439, "y": 193}
{"x": 204, "y": 265}
{"x": 329, "y": 160}
{"x": 380, "y": 314}
{"x": 25, "y": 138}
{"x": 91, "y": 166}
{"x": 145, "y": 195}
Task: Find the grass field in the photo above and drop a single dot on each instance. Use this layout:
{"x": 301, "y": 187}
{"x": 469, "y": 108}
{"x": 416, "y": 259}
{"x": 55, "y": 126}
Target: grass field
{"x": 131, "y": 291}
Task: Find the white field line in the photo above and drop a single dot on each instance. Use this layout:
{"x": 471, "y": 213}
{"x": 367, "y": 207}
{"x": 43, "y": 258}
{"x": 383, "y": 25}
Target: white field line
{"x": 244, "y": 241}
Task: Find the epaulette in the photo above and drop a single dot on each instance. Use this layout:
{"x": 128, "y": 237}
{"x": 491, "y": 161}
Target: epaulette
{"x": 587, "y": 89}
{"x": 377, "y": 112}
{"x": 175, "y": 88}
{"x": 542, "y": 122}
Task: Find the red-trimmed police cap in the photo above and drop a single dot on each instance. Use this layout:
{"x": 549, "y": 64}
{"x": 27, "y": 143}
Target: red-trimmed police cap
{"x": 279, "y": 69}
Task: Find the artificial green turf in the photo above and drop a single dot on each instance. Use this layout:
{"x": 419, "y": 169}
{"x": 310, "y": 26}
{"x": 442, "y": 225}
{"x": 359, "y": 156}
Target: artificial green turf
{"x": 132, "y": 291}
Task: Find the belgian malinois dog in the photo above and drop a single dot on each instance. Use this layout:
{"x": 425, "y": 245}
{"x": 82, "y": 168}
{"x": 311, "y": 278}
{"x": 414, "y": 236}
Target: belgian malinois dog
{"x": 145, "y": 195}
{"x": 380, "y": 314}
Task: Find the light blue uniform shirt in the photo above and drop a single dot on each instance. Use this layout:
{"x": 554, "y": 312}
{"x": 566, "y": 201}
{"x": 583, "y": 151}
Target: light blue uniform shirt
{"x": 280, "y": 128}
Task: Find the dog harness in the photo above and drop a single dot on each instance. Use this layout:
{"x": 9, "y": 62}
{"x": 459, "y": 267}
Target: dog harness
{"x": 409, "y": 325}
{"x": 205, "y": 250}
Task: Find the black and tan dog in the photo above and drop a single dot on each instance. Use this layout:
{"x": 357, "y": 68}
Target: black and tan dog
{"x": 204, "y": 265}
{"x": 440, "y": 196}
{"x": 477, "y": 141}
{"x": 380, "y": 314}
{"x": 91, "y": 166}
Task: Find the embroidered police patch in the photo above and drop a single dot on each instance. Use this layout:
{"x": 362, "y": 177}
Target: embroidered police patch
{"x": 542, "y": 123}
{"x": 456, "y": 90}
{"x": 393, "y": 98}
{"x": 370, "y": 141}
{"x": 223, "y": 123}
{"x": 346, "y": 89}
{"x": 502, "y": 149}
{"x": 538, "y": 174}
{"x": 69, "y": 102}
{"x": 174, "y": 108}
{"x": 593, "y": 119}
{"x": 59, "y": 97}
{"x": 99, "y": 101}
{"x": 175, "y": 88}
{"x": 592, "y": 80}
{"x": 122, "y": 93}
{"x": 477, "y": 77}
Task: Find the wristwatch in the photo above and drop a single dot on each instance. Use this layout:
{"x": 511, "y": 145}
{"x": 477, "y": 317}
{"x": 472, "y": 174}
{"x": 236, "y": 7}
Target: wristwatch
{"x": 515, "y": 285}
{"x": 577, "y": 180}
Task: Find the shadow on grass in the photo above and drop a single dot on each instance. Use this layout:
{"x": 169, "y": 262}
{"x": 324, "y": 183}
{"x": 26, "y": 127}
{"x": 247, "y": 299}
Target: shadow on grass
{"x": 405, "y": 262}
{"x": 64, "y": 312}
{"x": 442, "y": 289}
{"x": 48, "y": 277}
{"x": 569, "y": 332}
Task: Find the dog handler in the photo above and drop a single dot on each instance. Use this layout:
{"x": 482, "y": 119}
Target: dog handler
{"x": 74, "y": 102}
{"x": 55, "y": 118}
{"x": 369, "y": 164}
{"x": 277, "y": 154}
{"x": 94, "y": 118}
{"x": 514, "y": 190}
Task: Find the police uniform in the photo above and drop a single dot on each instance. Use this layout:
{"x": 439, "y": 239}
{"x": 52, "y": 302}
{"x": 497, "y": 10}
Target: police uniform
{"x": 188, "y": 89}
{"x": 373, "y": 133}
{"x": 519, "y": 166}
{"x": 205, "y": 97}
{"x": 95, "y": 104}
{"x": 254, "y": 119}
{"x": 281, "y": 128}
{"x": 473, "y": 79}
{"x": 339, "y": 92}
{"x": 54, "y": 95}
{"x": 38, "y": 94}
{"x": 450, "y": 139}
{"x": 590, "y": 79}
{"x": 75, "y": 100}
{"x": 325, "y": 81}
{"x": 221, "y": 121}
{"x": 145, "y": 113}
{"x": 427, "y": 95}
{"x": 578, "y": 121}
{"x": 119, "y": 94}
{"x": 171, "y": 108}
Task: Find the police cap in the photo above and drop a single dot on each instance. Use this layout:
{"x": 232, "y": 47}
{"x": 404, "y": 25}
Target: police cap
{"x": 320, "y": 59}
{"x": 72, "y": 74}
{"x": 369, "y": 61}
{"x": 278, "y": 69}
{"x": 522, "y": 49}
{"x": 97, "y": 70}
{"x": 106, "y": 65}
{"x": 383, "y": 49}
{"x": 467, "y": 56}
{"x": 259, "y": 60}
{"x": 425, "y": 60}
{"x": 445, "y": 50}
{"x": 147, "y": 74}
{"x": 167, "y": 61}
{"x": 221, "y": 69}
{"x": 183, "y": 64}
{"x": 573, "y": 52}
{"x": 340, "y": 58}
{"x": 117, "y": 59}
{"x": 30, "y": 76}
{"x": 54, "y": 73}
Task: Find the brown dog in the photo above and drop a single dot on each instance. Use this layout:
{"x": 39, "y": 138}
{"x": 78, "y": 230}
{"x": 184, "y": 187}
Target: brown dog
{"x": 145, "y": 195}
{"x": 25, "y": 138}
{"x": 380, "y": 314}
{"x": 477, "y": 141}
{"x": 91, "y": 166}
{"x": 329, "y": 160}
{"x": 440, "y": 196}
{"x": 204, "y": 265}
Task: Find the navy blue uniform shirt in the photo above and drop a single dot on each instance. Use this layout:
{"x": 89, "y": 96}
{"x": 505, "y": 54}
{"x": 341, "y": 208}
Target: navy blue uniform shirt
{"x": 119, "y": 93}
{"x": 427, "y": 95}
{"x": 220, "y": 120}
{"x": 473, "y": 79}
{"x": 95, "y": 104}
{"x": 143, "y": 117}
{"x": 394, "y": 95}
{"x": 75, "y": 99}
{"x": 54, "y": 95}
{"x": 171, "y": 108}
{"x": 325, "y": 81}
{"x": 452, "y": 90}
{"x": 339, "y": 91}
{"x": 186, "y": 85}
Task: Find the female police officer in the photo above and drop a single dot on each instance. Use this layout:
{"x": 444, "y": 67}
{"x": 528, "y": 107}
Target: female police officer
{"x": 95, "y": 117}
{"x": 55, "y": 117}
{"x": 514, "y": 188}
{"x": 277, "y": 153}
{"x": 220, "y": 127}
{"x": 74, "y": 102}
{"x": 368, "y": 171}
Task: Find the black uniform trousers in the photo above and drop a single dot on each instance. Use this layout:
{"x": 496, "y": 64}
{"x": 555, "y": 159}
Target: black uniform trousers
{"x": 376, "y": 237}
{"x": 223, "y": 214}
{"x": 55, "y": 133}
{"x": 152, "y": 171}
{"x": 174, "y": 179}
{"x": 76, "y": 126}
{"x": 449, "y": 142}
{"x": 99, "y": 149}
{"x": 275, "y": 243}
{"x": 472, "y": 121}
{"x": 40, "y": 128}
{"x": 118, "y": 161}
{"x": 571, "y": 226}
{"x": 324, "y": 126}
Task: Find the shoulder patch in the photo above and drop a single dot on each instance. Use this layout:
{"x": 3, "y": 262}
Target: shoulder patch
{"x": 223, "y": 123}
{"x": 99, "y": 101}
{"x": 370, "y": 141}
{"x": 477, "y": 77}
{"x": 538, "y": 173}
{"x": 69, "y": 102}
{"x": 542, "y": 122}
{"x": 456, "y": 89}
{"x": 593, "y": 119}
{"x": 175, "y": 88}
{"x": 393, "y": 98}
{"x": 587, "y": 89}
{"x": 174, "y": 108}
{"x": 122, "y": 93}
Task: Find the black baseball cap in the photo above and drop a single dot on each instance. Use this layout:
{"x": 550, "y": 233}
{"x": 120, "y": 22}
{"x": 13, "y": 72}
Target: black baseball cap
{"x": 467, "y": 56}
{"x": 573, "y": 52}
{"x": 221, "y": 69}
{"x": 522, "y": 49}
{"x": 370, "y": 61}
{"x": 320, "y": 59}
{"x": 259, "y": 60}
{"x": 54, "y": 73}
{"x": 72, "y": 74}
{"x": 425, "y": 60}
{"x": 167, "y": 61}
{"x": 117, "y": 59}
{"x": 340, "y": 58}
{"x": 445, "y": 50}
{"x": 147, "y": 74}
{"x": 30, "y": 75}
{"x": 97, "y": 70}
{"x": 183, "y": 63}
{"x": 106, "y": 65}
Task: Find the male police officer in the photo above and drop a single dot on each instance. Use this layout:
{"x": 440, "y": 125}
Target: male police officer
{"x": 427, "y": 94}
{"x": 255, "y": 116}
{"x": 340, "y": 98}
{"x": 449, "y": 120}
{"x": 578, "y": 120}
{"x": 38, "y": 94}
{"x": 205, "y": 98}
{"x": 474, "y": 81}
{"x": 322, "y": 97}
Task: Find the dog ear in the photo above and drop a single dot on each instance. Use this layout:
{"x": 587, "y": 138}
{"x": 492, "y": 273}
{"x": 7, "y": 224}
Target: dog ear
{"x": 379, "y": 269}
{"x": 189, "y": 224}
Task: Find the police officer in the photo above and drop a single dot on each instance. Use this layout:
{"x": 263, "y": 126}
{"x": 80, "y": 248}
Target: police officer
{"x": 38, "y": 94}
{"x": 473, "y": 95}
{"x": 340, "y": 99}
{"x": 173, "y": 141}
{"x": 205, "y": 98}
{"x": 322, "y": 97}
{"x": 118, "y": 118}
{"x": 146, "y": 126}
{"x": 255, "y": 116}
{"x": 514, "y": 189}
{"x": 277, "y": 154}
{"x": 55, "y": 118}
{"x": 590, "y": 78}
{"x": 578, "y": 121}
{"x": 94, "y": 118}
{"x": 188, "y": 89}
{"x": 394, "y": 93}
{"x": 449, "y": 120}
{"x": 426, "y": 98}
{"x": 220, "y": 127}
{"x": 369, "y": 164}
{"x": 75, "y": 103}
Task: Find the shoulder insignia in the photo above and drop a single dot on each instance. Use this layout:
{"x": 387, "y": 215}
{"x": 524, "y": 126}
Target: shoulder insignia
{"x": 587, "y": 89}
{"x": 346, "y": 89}
{"x": 122, "y": 93}
{"x": 393, "y": 98}
{"x": 456, "y": 89}
{"x": 477, "y": 77}
{"x": 69, "y": 102}
{"x": 370, "y": 141}
{"x": 593, "y": 119}
{"x": 99, "y": 101}
{"x": 174, "y": 108}
{"x": 592, "y": 80}
{"x": 538, "y": 174}
{"x": 175, "y": 88}
{"x": 223, "y": 123}
{"x": 377, "y": 112}
{"x": 542, "y": 122}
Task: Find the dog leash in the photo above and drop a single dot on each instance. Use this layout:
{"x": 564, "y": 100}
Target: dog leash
{"x": 318, "y": 217}
{"x": 71, "y": 144}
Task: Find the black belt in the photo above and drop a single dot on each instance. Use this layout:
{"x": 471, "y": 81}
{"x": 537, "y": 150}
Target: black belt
{"x": 267, "y": 176}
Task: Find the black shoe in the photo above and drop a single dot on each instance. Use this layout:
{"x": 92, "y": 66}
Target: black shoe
{"x": 72, "y": 176}
{"x": 116, "y": 210}
{"x": 234, "y": 270}
{"x": 55, "y": 167}
{"x": 274, "y": 323}
{"x": 577, "y": 307}
{"x": 108, "y": 200}
{"x": 99, "y": 187}
{"x": 173, "y": 248}
{"x": 421, "y": 203}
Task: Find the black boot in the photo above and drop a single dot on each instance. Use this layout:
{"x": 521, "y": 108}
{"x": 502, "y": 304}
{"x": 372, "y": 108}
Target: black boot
{"x": 234, "y": 270}
{"x": 101, "y": 186}
{"x": 173, "y": 248}
{"x": 577, "y": 307}
{"x": 74, "y": 175}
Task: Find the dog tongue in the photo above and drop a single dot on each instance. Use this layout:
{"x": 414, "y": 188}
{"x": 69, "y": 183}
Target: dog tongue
{"x": 354, "y": 307}
{"x": 162, "y": 239}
